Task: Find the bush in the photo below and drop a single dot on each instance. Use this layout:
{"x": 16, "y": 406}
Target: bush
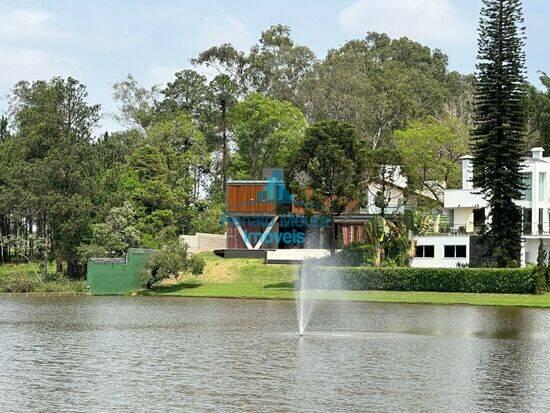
{"x": 357, "y": 253}
{"x": 169, "y": 262}
{"x": 466, "y": 280}
{"x": 18, "y": 282}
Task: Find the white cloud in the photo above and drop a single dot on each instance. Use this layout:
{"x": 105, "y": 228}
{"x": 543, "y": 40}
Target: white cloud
{"x": 432, "y": 21}
{"x": 31, "y": 64}
{"x": 161, "y": 74}
{"x": 22, "y": 24}
{"x": 218, "y": 30}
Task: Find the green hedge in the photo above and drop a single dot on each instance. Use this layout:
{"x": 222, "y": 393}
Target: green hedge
{"x": 466, "y": 280}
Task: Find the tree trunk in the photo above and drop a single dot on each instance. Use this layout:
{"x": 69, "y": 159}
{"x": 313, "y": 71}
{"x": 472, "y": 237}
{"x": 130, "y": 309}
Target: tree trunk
{"x": 58, "y": 264}
{"x": 333, "y": 235}
{"x": 224, "y": 143}
{"x": 72, "y": 268}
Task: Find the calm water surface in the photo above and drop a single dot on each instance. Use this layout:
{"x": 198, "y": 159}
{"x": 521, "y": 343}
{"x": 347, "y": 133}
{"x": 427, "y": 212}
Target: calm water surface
{"x": 145, "y": 354}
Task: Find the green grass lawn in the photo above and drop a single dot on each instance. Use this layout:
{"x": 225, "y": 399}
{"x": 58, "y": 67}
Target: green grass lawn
{"x": 250, "y": 278}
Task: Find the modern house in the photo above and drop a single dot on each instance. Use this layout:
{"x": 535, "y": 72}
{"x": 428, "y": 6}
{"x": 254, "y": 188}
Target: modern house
{"x": 467, "y": 212}
{"x": 262, "y": 216}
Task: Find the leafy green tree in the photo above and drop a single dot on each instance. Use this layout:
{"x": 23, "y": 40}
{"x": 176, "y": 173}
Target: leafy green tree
{"x": 113, "y": 237}
{"x": 430, "y": 150}
{"x": 184, "y": 150}
{"x": 4, "y": 131}
{"x": 51, "y": 177}
{"x": 267, "y": 131}
{"x": 378, "y": 84}
{"x": 136, "y": 104}
{"x": 169, "y": 262}
{"x": 537, "y": 107}
{"x": 327, "y": 172}
{"x": 188, "y": 92}
{"x": 499, "y": 124}
{"x": 209, "y": 218}
{"x": 274, "y": 67}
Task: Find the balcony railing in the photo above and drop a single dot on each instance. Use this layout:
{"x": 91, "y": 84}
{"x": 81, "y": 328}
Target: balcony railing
{"x": 455, "y": 230}
{"x": 529, "y": 230}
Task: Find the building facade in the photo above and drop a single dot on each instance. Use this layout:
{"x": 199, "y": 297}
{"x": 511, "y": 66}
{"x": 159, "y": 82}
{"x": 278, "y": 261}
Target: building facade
{"x": 262, "y": 215}
{"x": 468, "y": 212}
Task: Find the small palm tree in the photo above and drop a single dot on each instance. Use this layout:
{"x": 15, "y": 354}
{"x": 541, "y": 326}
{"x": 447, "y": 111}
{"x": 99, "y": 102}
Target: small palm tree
{"x": 417, "y": 224}
{"x": 375, "y": 231}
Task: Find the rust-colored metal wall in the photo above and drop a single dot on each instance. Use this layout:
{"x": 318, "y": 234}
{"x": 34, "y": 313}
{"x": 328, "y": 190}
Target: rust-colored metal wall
{"x": 244, "y": 198}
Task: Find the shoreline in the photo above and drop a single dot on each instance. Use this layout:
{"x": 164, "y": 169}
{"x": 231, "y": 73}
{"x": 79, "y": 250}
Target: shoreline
{"x": 378, "y": 297}
{"x": 391, "y": 297}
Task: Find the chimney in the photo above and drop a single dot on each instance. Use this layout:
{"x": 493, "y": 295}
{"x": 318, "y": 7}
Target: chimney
{"x": 537, "y": 152}
{"x": 467, "y": 172}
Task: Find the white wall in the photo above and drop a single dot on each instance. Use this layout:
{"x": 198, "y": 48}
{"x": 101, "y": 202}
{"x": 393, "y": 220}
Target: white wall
{"x": 464, "y": 198}
{"x": 464, "y": 217}
{"x": 439, "y": 260}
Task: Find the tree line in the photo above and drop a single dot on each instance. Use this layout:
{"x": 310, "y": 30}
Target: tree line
{"x": 66, "y": 194}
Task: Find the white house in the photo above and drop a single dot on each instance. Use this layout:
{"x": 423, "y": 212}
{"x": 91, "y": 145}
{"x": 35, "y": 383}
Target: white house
{"x": 467, "y": 211}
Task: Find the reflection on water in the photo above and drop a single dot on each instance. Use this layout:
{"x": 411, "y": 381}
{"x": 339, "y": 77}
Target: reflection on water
{"x": 145, "y": 354}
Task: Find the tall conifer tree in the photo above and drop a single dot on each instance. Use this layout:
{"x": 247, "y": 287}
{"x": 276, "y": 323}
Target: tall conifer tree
{"x": 499, "y": 124}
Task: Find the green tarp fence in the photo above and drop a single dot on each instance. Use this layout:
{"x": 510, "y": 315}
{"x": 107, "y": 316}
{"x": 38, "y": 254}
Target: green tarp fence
{"x": 117, "y": 276}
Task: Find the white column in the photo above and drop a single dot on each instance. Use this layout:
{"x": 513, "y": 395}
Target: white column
{"x": 534, "y": 199}
{"x": 523, "y": 253}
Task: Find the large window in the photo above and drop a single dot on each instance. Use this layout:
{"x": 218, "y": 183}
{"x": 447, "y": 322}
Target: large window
{"x": 527, "y": 183}
{"x": 425, "y": 251}
{"x": 542, "y": 185}
{"x": 455, "y": 251}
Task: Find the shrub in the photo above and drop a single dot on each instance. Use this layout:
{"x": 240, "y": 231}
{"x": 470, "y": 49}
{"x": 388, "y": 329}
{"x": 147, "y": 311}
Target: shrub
{"x": 18, "y": 282}
{"x": 466, "y": 280}
{"x": 356, "y": 253}
{"x": 169, "y": 262}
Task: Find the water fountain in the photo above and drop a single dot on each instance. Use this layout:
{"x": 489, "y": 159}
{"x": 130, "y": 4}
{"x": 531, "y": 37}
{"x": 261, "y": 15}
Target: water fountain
{"x": 304, "y": 299}
{"x": 306, "y": 292}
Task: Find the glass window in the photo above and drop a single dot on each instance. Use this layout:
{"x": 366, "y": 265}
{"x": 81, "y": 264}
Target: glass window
{"x": 429, "y": 251}
{"x": 527, "y": 184}
{"x": 425, "y": 251}
{"x": 455, "y": 251}
{"x": 542, "y": 185}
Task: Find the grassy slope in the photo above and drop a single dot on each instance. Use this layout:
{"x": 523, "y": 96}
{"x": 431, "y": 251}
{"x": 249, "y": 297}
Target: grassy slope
{"x": 250, "y": 278}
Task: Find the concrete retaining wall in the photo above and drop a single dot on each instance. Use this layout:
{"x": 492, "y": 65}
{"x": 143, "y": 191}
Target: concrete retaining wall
{"x": 201, "y": 242}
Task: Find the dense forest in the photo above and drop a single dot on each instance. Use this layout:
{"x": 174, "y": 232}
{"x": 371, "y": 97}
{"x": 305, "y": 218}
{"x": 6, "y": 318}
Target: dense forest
{"x": 66, "y": 194}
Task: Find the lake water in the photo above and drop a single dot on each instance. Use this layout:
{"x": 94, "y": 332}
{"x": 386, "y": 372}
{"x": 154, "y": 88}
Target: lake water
{"x": 146, "y": 354}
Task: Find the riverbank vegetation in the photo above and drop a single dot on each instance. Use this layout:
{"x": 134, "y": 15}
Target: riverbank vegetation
{"x": 70, "y": 190}
{"x": 28, "y": 278}
{"x": 251, "y": 278}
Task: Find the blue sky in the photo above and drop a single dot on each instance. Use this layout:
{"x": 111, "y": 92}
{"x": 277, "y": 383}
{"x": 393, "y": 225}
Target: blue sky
{"x": 99, "y": 42}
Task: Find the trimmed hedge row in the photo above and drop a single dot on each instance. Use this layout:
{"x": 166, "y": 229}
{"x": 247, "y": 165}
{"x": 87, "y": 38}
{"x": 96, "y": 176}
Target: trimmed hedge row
{"x": 465, "y": 280}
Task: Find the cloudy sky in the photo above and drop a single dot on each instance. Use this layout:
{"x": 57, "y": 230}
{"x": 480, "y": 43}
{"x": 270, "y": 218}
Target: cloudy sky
{"x": 99, "y": 42}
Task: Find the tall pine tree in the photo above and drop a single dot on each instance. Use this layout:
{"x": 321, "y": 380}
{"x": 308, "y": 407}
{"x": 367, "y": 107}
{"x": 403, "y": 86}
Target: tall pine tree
{"x": 499, "y": 124}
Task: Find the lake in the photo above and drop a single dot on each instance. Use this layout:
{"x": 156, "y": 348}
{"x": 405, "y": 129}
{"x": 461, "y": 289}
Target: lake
{"x": 148, "y": 354}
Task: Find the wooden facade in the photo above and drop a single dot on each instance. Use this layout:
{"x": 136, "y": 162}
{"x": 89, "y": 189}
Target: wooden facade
{"x": 248, "y": 198}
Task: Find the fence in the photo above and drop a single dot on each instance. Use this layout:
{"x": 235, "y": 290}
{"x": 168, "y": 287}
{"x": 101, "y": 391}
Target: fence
{"x": 117, "y": 276}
